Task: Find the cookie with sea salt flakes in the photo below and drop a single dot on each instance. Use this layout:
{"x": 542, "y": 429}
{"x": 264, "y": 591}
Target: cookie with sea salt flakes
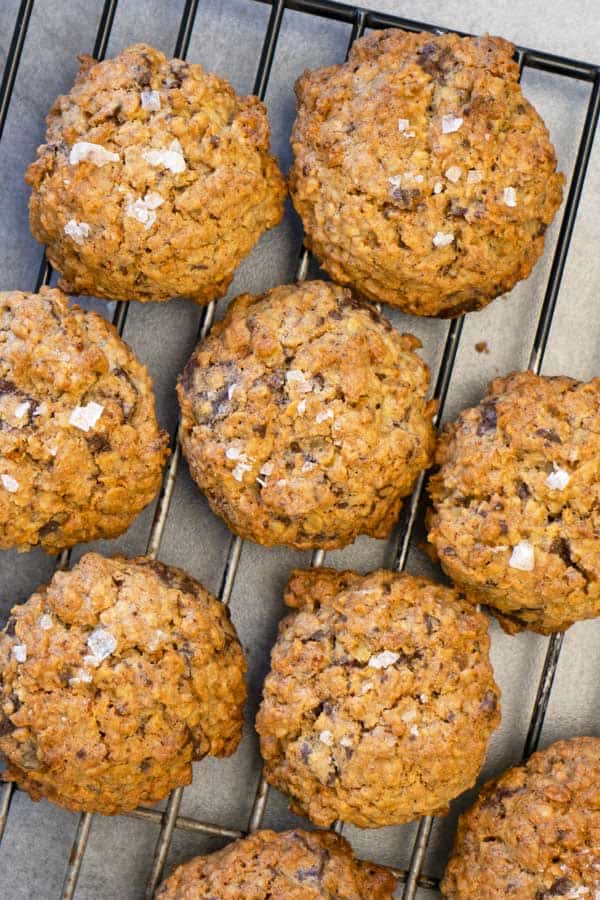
{"x": 155, "y": 180}
{"x": 81, "y": 452}
{"x": 380, "y": 700}
{"x": 532, "y": 833}
{"x": 304, "y": 418}
{"x": 423, "y": 176}
{"x": 291, "y": 865}
{"x": 113, "y": 678}
{"x": 516, "y": 501}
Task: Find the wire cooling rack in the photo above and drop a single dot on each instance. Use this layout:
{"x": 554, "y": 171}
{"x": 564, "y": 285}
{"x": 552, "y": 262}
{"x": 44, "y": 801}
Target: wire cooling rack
{"x": 357, "y": 20}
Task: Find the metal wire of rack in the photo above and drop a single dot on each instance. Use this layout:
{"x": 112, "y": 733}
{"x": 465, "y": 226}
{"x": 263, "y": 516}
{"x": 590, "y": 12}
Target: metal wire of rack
{"x": 358, "y": 20}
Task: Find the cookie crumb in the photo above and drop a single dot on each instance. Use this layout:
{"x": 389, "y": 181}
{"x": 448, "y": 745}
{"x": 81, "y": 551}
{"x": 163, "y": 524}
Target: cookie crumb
{"x": 474, "y": 176}
{"x": 482, "y": 347}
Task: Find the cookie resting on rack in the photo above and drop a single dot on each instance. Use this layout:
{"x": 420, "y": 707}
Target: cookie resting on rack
{"x": 380, "y": 700}
{"x": 291, "y": 865}
{"x": 423, "y": 176}
{"x": 113, "y": 678}
{"x": 516, "y": 501}
{"x": 81, "y": 452}
{"x": 304, "y": 418}
{"x": 532, "y": 834}
{"x": 155, "y": 180}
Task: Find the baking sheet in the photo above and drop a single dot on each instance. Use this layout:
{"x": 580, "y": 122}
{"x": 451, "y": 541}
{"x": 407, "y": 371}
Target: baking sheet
{"x": 227, "y": 38}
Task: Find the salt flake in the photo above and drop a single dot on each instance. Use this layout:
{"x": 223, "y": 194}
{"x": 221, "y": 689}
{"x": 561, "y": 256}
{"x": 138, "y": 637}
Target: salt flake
{"x": 22, "y": 409}
{"x": 453, "y": 173}
{"x": 45, "y": 622}
{"x": 267, "y": 468}
{"x": 297, "y": 377}
{"x": 474, "y": 176}
{"x": 233, "y": 453}
{"x": 558, "y": 479}
{"x": 346, "y": 741}
{"x": 150, "y": 100}
{"x": 10, "y": 484}
{"x": 509, "y": 196}
{"x": 85, "y": 151}
{"x": 522, "y": 557}
{"x": 441, "y": 239}
{"x": 384, "y": 659}
{"x": 451, "y": 123}
{"x": 238, "y": 472}
{"x": 302, "y": 407}
{"x": 414, "y": 731}
{"x": 323, "y": 416}
{"x": 143, "y": 208}
{"x": 102, "y": 643}
{"x": 171, "y": 159}
{"x": 438, "y": 187}
{"x": 326, "y": 738}
{"x": 78, "y": 231}
{"x": 19, "y": 652}
{"x": 85, "y": 417}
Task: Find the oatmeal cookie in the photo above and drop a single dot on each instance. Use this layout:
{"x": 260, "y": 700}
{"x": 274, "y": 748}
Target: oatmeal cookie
{"x": 292, "y": 865}
{"x": 375, "y": 683}
{"x": 516, "y": 501}
{"x": 533, "y": 833}
{"x": 113, "y": 678}
{"x": 304, "y": 417}
{"x": 81, "y": 452}
{"x": 422, "y": 175}
{"x": 155, "y": 181}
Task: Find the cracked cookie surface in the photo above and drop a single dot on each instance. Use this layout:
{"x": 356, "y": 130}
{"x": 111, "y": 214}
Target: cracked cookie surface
{"x": 291, "y": 865}
{"x": 81, "y": 452}
{"x": 516, "y": 502}
{"x": 375, "y": 680}
{"x": 304, "y": 419}
{"x": 113, "y": 678}
{"x": 423, "y": 177}
{"x": 155, "y": 180}
{"x": 532, "y": 834}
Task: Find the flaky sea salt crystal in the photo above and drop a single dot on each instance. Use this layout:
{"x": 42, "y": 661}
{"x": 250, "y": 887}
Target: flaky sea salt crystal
{"x": 453, "y": 173}
{"x": 441, "y": 239}
{"x": 395, "y": 181}
{"x": 326, "y": 738}
{"x": 231, "y": 391}
{"x": 522, "y": 557}
{"x": 143, "y": 208}
{"x": 403, "y": 124}
{"x": 85, "y": 417}
{"x": 558, "y": 479}
{"x": 297, "y": 377}
{"x": 19, "y": 652}
{"x": 150, "y": 100}
{"x": 238, "y": 472}
{"x": 414, "y": 731}
{"x": 45, "y": 622}
{"x": 85, "y": 151}
{"x": 323, "y": 416}
{"x": 82, "y": 676}
{"x": 9, "y": 483}
{"x": 171, "y": 159}
{"x": 346, "y": 741}
{"x": 101, "y": 643}
{"x": 438, "y": 187}
{"x": 417, "y": 178}
{"x": 451, "y": 123}
{"x": 384, "y": 659}
{"x": 302, "y": 407}
{"x": 78, "y": 231}
{"x": 21, "y": 409}
{"x": 474, "y": 176}
{"x": 233, "y": 453}
{"x": 509, "y": 196}
{"x": 267, "y": 468}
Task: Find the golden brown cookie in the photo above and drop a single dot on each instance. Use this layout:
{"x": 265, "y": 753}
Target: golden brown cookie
{"x": 81, "y": 452}
{"x": 375, "y": 683}
{"x": 113, "y": 678}
{"x": 304, "y": 417}
{"x": 516, "y": 501}
{"x": 422, "y": 175}
{"x": 292, "y": 865}
{"x": 533, "y": 833}
{"x": 155, "y": 181}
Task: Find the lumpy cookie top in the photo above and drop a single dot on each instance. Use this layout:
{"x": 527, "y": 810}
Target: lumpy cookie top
{"x": 516, "y": 501}
{"x": 423, "y": 176}
{"x": 113, "y": 678}
{"x": 155, "y": 181}
{"x": 304, "y": 417}
{"x": 81, "y": 452}
{"x": 292, "y": 865}
{"x": 380, "y": 700}
{"x": 533, "y": 833}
